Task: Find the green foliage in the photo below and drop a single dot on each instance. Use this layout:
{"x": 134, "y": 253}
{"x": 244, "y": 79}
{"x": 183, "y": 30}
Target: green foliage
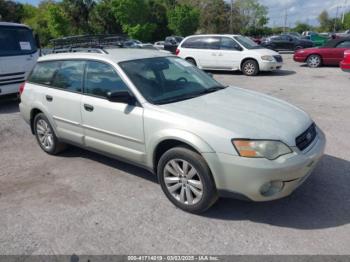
{"x": 103, "y": 20}
{"x": 301, "y": 27}
{"x": 183, "y": 20}
{"x": 10, "y": 11}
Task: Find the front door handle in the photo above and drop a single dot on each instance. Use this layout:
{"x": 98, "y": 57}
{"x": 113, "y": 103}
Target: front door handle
{"x": 49, "y": 98}
{"x": 88, "y": 108}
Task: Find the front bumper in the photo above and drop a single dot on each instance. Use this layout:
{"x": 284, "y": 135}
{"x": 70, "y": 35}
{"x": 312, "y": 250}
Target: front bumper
{"x": 246, "y": 177}
{"x": 298, "y": 58}
{"x": 270, "y": 66}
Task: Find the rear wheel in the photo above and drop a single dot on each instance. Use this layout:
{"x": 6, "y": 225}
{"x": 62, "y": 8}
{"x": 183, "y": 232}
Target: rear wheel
{"x": 186, "y": 180}
{"x": 250, "y": 67}
{"x": 192, "y": 61}
{"x": 314, "y": 61}
{"x": 46, "y": 136}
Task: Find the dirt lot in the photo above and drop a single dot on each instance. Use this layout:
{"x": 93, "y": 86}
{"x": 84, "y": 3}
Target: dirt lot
{"x": 83, "y": 203}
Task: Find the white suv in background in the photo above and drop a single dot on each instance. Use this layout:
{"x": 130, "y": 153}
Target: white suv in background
{"x": 228, "y": 52}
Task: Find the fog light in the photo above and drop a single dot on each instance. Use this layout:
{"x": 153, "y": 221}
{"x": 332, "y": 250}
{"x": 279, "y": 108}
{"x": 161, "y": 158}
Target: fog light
{"x": 271, "y": 188}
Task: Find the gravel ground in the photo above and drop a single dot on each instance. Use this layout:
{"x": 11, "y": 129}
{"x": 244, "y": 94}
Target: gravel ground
{"x": 84, "y": 203}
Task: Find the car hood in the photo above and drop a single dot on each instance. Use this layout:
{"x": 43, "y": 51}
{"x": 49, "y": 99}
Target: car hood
{"x": 263, "y": 51}
{"x": 242, "y": 114}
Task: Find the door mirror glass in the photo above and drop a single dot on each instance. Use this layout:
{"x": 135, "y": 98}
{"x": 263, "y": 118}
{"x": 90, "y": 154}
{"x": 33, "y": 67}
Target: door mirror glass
{"x": 122, "y": 96}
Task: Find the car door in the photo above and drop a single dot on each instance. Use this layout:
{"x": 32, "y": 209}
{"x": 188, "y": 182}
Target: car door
{"x": 208, "y": 52}
{"x": 110, "y": 127}
{"x": 338, "y": 54}
{"x": 230, "y": 54}
{"x": 63, "y": 99}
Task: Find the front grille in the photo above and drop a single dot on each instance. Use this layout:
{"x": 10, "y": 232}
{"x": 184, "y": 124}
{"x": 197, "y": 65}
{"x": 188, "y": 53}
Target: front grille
{"x": 12, "y": 78}
{"x": 306, "y": 138}
{"x": 278, "y": 58}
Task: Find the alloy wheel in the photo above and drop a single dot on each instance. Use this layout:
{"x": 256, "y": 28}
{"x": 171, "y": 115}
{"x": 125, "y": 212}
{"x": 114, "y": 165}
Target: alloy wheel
{"x": 314, "y": 61}
{"x": 249, "y": 68}
{"x": 45, "y": 134}
{"x": 183, "y": 182}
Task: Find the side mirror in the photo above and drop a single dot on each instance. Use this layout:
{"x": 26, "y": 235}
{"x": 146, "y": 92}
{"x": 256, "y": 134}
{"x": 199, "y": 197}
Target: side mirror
{"x": 122, "y": 96}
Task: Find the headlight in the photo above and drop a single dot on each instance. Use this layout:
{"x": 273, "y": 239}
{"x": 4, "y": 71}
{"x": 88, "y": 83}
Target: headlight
{"x": 268, "y": 58}
{"x": 268, "y": 149}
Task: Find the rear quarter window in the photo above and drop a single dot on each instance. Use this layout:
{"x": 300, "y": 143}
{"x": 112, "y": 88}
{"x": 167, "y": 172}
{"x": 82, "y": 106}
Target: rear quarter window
{"x": 43, "y": 72}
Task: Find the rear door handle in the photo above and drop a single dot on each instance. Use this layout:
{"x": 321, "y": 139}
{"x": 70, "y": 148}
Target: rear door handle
{"x": 88, "y": 108}
{"x": 49, "y": 98}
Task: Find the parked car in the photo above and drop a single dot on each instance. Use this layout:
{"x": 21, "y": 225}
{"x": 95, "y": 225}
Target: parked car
{"x": 202, "y": 139}
{"x": 286, "y": 42}
{"x": 19, "y": 51}
{"x": 345, "y": 64}
{"x": 228, "y": 52}
{"x": 171, "y": 43}
{"x": 159, "y": 44}
{"x": 329, "y": 54}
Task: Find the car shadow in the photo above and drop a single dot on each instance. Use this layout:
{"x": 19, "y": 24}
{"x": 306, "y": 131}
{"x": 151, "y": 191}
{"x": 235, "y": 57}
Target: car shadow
{"x": 323, "y": 201}
{"x": 280, "y": 72}
{"x": 9, "y": 105}
{"x": 73, "y": 151}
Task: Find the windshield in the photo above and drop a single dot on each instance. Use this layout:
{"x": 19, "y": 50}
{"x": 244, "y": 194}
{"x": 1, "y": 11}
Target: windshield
{"x": 246, "y": 42}
{"x": 163, "y": 80}
{"x": 16, "y": 41}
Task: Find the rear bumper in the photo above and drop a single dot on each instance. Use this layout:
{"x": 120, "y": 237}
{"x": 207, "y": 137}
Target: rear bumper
{"x": 247, "y": 177}
{"x": 345, "y": 66}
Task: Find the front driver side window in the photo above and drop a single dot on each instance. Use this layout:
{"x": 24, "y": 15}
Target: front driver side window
{"x": 228, "y": 44}
{"x": 101, "y": 78}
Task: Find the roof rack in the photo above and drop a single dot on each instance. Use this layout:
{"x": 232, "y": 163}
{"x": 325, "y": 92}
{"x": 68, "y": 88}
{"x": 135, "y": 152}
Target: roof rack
{"x": 87, "y": 43}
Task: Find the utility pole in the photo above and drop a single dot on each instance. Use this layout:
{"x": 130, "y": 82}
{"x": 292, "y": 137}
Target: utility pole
{"x": 231, "y": 17}
{"x": 336, "y": 19}
{"x": 285, "y": 20}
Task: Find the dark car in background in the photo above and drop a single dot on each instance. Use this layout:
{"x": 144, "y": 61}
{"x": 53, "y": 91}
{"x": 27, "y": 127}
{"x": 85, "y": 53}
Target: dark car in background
{"x": 171, "y": 43}
{"x": 286, "y": 42}
{"x": 332, "y": 53}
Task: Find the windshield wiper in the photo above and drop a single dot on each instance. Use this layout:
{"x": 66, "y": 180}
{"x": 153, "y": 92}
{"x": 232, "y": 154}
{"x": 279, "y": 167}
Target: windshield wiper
{"x": 181, "y": 98}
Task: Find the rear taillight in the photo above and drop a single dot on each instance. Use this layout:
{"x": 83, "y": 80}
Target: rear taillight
{"x": 177, "y": 52}
{"x": 21, "y": 88}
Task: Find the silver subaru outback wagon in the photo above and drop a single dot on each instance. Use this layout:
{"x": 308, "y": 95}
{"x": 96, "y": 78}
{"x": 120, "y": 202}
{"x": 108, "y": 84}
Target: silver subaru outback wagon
{"x": 202, "y": 139}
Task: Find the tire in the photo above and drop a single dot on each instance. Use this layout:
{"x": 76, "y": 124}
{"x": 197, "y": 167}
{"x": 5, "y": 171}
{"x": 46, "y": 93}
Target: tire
{"x": 250, "y": 68}
{"x": 192, "y": 61}
{"x": 314, "y": 61}
{"x": 193, "y": 190}
{"x": 46, "y": 136}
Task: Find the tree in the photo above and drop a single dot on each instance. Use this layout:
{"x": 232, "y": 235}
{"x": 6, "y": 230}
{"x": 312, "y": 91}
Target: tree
{"x": 103, "y": 20}
{"x": 134, "y": 16}
{"x": 158, "y": 16}
{"x": 325, "y": 22}
{"x": 249, "y": 14}
{"x": 301, "y": 27}
{"x": 10, "y": 11}
{"x": 183, "y": 19}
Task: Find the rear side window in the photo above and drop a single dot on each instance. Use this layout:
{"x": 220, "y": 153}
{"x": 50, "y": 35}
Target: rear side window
{"x": 43, "y": 72}
{"x": 70, "y": 76}
{"x": 202, "y": 43}
{"x": 345, "y": 44}
{"x": 101, "y": 78}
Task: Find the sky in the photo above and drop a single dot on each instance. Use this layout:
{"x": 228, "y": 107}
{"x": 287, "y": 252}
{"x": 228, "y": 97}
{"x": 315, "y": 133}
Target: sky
{"x": 297, "y": 10}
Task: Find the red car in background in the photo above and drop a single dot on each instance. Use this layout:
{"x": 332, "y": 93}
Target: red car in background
{"x": 332, "y": 53}
{"x": 345, "y": 64}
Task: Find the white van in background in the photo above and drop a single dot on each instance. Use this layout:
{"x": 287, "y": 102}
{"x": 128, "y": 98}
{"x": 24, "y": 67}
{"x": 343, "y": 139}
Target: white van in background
{"x": 228, "y": 52}
{"x": 18, "y": 55}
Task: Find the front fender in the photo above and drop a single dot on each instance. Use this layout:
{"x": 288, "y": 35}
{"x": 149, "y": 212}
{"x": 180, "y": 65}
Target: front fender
{"x": 175, "y": 134}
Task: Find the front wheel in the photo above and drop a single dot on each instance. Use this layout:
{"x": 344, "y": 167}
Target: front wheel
{"x": 186, "y": 180}
{"x": 250, "y": 68}
{"x": 314, "y": 61}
